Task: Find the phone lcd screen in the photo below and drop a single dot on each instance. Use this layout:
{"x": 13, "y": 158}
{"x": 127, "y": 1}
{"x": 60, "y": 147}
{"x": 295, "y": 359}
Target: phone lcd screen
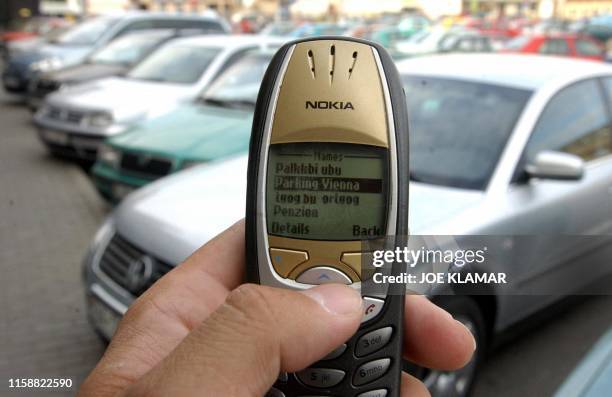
{"x": 326, "y": 191}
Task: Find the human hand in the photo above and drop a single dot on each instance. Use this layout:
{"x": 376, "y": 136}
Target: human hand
{"x": 198, "y": 331}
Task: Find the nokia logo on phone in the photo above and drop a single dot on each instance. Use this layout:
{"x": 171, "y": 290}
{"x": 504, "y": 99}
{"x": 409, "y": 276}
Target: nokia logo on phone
{"x": 329, "y": 105}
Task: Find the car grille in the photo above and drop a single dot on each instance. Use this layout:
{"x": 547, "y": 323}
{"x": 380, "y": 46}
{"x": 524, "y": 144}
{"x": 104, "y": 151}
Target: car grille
{"x": 131, "y": 267}
{"x": 68, "y": 116}
{"x": 145, "y": 165}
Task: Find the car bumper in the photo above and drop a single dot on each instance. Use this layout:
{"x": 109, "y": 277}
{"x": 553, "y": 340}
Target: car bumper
{"x": 44, "y": 122}
{"x": 14, "y": 83}
{"x": 114, "y": 185}
{"x": 70, "y": 145}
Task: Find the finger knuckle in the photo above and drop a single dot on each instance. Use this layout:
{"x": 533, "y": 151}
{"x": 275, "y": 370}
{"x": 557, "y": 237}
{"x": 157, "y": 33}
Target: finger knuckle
{"x": 253, "y": 303}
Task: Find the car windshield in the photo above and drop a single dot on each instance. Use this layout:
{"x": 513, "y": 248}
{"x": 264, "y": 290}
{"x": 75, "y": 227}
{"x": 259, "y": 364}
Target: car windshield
{"x": 433, "y": 38}
{"x": 239, "y": 85}
{"x": 87, "y": 32}
{"x": 179, "y": 64}
{"x": 458, "y": 129}
{"x": 517, "y": 43}
{"x": 126, "y": 50}
{"x": 419, "y": 36}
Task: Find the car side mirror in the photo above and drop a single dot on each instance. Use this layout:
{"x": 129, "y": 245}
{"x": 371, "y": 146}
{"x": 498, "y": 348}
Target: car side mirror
{"x": 556, "y": 166}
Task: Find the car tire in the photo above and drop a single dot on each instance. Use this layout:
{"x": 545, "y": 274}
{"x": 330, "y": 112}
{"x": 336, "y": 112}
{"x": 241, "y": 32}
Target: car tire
{"x": 458, "y": 383}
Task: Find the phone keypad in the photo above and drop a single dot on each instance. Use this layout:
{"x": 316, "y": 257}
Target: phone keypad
{"x": 374, "y": 393}
{"x": 371, "y": 308}
{"x": 371, "y": 371}
{"x": 335, "y": 353}
{"x": 274, "y": 393}
{"x": 321, "y": 377}
{"x": 373, "y": 341}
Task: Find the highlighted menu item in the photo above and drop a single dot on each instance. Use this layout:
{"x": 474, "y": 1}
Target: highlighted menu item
{"x": 326, "y": 191}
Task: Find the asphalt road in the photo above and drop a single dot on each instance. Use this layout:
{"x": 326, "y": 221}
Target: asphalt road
{"x": 48, "y": 213}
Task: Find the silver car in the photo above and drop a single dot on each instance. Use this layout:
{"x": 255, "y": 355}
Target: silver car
{"x": 500, "y": 145}
{"x": 74, "y": 121}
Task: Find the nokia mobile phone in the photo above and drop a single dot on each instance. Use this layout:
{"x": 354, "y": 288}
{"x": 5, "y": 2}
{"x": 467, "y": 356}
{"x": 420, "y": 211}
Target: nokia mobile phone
{"x": 328, "y": 168}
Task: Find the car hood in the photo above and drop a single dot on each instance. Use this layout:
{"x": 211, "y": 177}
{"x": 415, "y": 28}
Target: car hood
{"x": 24, "y": 59}
{"x": 188, "y": 209}
{"x": 26, "y": 45}
{"x": 70, "y": 55}
{"x": 415, "y": 48}
{"x": 185, "y": 210}
{"x": 84, "y": 72}
{"x": 123, "y": 97}
{"x": 192, "y": 131}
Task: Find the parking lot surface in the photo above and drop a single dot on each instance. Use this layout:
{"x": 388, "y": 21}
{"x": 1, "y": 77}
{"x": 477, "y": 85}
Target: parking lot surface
{"x": 48, "y": 213}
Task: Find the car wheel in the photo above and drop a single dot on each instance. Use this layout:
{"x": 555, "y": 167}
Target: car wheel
{"x": 458, "y": 383}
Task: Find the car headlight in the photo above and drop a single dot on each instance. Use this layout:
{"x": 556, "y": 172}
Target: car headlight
{"x": 100, "y": 120}
{"x": 191, "y": 163}
{"x": 46, "y": 65}
{"x": 109, "y": 155}
{"x": 42, "y": 111}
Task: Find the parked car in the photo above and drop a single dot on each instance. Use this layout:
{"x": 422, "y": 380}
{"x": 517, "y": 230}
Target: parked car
{"x": 216, "y": 126}
{"x": 281, "y": 28}
{"x": 562, "y": 44}
{"x": 550, "y": 26}
{"x": 440, "y": 40}
{"x": 28, "y": 30}
{"x": 388, "y": 34}
{"x": 500, "y": 145}
{"x": 317, "y": 29}
{"x": 599, "y": 27}
{"x": 74, "y": 45}
{"x": 74, "y": 122}
{"x": 496, "y": 27}
{"x": 13, "y": 49}
{"x": 411, "y": 24}
{"x": 593, "y": 375}
{"x": 114, "y": 59}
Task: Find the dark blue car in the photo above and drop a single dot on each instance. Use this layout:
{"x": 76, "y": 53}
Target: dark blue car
{"x": 74, "y": 45}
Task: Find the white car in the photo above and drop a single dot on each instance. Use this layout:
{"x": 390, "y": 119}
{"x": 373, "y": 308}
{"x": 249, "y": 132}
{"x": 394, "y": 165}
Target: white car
{"x": 518, "y": 147}
{"x": 74, "y": 121}
{"x": 442, "y": 40}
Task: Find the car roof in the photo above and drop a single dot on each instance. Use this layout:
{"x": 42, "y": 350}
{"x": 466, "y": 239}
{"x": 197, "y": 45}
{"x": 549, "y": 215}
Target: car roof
{"x": 149, "y": 33}
{"x": 230, "y": 41}
{"x": 520, "y": 71}
{"x": 558, "y": 35}
{"x": 135, "y": 14}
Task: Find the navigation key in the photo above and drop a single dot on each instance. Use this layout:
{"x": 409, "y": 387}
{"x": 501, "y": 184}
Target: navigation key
{"x": 323, "y": 275}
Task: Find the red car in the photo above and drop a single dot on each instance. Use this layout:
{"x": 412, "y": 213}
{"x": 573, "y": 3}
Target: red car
{"x": 32, "y": 27}
{"x": 564, "y": 44}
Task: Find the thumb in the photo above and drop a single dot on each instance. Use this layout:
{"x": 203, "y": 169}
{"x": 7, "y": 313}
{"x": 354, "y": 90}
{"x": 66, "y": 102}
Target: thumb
{"x": 258, "y": 332}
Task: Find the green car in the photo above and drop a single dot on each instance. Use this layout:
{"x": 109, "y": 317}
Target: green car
{"x": 216, "y": 126}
